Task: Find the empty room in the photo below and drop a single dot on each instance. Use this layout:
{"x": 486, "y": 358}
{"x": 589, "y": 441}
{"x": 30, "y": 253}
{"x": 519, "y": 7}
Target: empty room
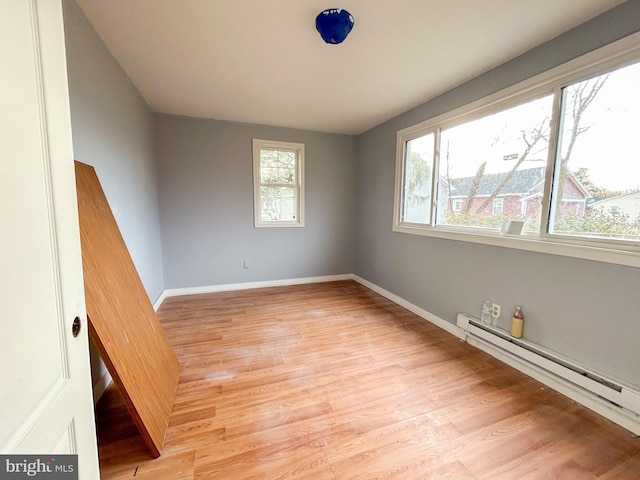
{"x": 380, "y": 239}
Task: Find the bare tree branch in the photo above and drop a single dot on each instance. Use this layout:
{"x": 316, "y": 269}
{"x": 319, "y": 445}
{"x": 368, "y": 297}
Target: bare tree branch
{"x": 539, "y": 133}
{"x": 579, "y": 97}
{"x": 474, "y": 186}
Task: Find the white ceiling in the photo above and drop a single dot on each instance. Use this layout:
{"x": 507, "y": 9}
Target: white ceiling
{"x": 263, "y": 62}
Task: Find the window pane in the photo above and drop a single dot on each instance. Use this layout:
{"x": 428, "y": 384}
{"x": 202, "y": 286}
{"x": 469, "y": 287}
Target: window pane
{"x": 493, "y": 168}
{"x": 277, "y": 166}
{"x": 278, "y": 204}
{"x": 597, "y": 173}
{"x": 498, "y": 205}
{"x": 418, "y": 179}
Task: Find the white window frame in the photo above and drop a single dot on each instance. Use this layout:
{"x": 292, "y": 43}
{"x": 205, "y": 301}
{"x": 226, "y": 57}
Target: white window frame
{"x": 298, "y": 149}
{"x": 613, "y": 56}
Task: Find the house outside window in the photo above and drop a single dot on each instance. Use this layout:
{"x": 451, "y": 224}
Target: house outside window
{"x": 278, "y": 176}
{"x": 556, "y": 151}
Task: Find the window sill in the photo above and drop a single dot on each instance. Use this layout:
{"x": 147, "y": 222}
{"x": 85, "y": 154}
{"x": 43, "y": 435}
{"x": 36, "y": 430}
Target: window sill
{"x": 552, "y": 246}
{"x": 279, "y": 225}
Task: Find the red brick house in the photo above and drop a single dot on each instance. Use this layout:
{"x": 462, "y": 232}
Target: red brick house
{"x": 520, "y": 196}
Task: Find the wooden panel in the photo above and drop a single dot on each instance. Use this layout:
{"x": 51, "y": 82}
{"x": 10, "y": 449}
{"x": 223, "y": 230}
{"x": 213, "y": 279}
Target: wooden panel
{"x": 122, "y": 322}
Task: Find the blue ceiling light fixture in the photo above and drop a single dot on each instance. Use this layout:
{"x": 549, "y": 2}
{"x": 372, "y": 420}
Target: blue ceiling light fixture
{"x": 334, "y": 24}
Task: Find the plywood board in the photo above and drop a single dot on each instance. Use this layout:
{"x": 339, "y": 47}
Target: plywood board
{"x": 122, "y": 321}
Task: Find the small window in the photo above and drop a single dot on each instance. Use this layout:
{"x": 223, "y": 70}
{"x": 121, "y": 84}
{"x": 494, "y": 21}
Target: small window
{"x": 498, "y": 206}
{"x": 278, "y": 177}
{"x": 457, "y": 205}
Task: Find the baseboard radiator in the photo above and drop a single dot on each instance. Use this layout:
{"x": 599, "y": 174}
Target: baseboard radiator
{"x": 611, "y": 398}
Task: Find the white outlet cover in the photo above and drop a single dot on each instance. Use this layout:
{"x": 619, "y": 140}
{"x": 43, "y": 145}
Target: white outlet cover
{"x": 495, "y": 310}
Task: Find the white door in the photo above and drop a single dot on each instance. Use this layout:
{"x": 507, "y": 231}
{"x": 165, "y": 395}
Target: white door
{"x": 45, "y": 387}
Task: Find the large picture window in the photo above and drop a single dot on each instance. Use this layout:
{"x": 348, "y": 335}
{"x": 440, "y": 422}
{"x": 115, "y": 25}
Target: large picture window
{"x": 558, "y": 153}
{"x": 278, "y": 173}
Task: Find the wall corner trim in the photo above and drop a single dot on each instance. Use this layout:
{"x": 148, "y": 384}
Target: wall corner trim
{"x": 159, "y": 300}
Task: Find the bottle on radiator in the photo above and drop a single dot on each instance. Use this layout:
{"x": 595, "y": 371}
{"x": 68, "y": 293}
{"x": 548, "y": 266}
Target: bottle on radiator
{"x": 486, "y": 312}
{"x": 517, "y": 323}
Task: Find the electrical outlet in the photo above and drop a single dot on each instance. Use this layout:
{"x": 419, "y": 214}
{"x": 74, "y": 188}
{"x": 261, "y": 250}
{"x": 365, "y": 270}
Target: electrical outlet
{"x": 495, "y": 310}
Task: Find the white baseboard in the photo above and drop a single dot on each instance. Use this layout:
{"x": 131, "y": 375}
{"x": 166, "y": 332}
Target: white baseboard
{"x": 175, "y": 292}
{"x": 101, "y": 386}
{"x": 159, "y": 300}
{"x": 430, "y": 317}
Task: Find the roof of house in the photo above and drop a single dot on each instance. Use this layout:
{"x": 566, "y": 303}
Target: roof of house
{"x": 635, "y": 195}
{"x": 521, "y": 182}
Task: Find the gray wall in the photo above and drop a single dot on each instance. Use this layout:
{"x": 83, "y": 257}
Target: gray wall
{"x": 586, "y": 310}
{"x": 206, "y": 205}
{"x": 113, "y": 131}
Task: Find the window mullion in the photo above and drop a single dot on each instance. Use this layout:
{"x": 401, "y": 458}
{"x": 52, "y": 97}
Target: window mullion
{"x": 435, "y": 180}
{"x": 554, "y": 133}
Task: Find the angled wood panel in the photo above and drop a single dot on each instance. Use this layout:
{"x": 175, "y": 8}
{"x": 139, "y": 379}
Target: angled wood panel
{"x": 122, "y": 322}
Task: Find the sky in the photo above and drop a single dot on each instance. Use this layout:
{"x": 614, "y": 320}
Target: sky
{"x": 610, "y": 149}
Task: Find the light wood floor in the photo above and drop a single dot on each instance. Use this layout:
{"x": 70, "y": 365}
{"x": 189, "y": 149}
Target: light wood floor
{"x": 332, "y": 381}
